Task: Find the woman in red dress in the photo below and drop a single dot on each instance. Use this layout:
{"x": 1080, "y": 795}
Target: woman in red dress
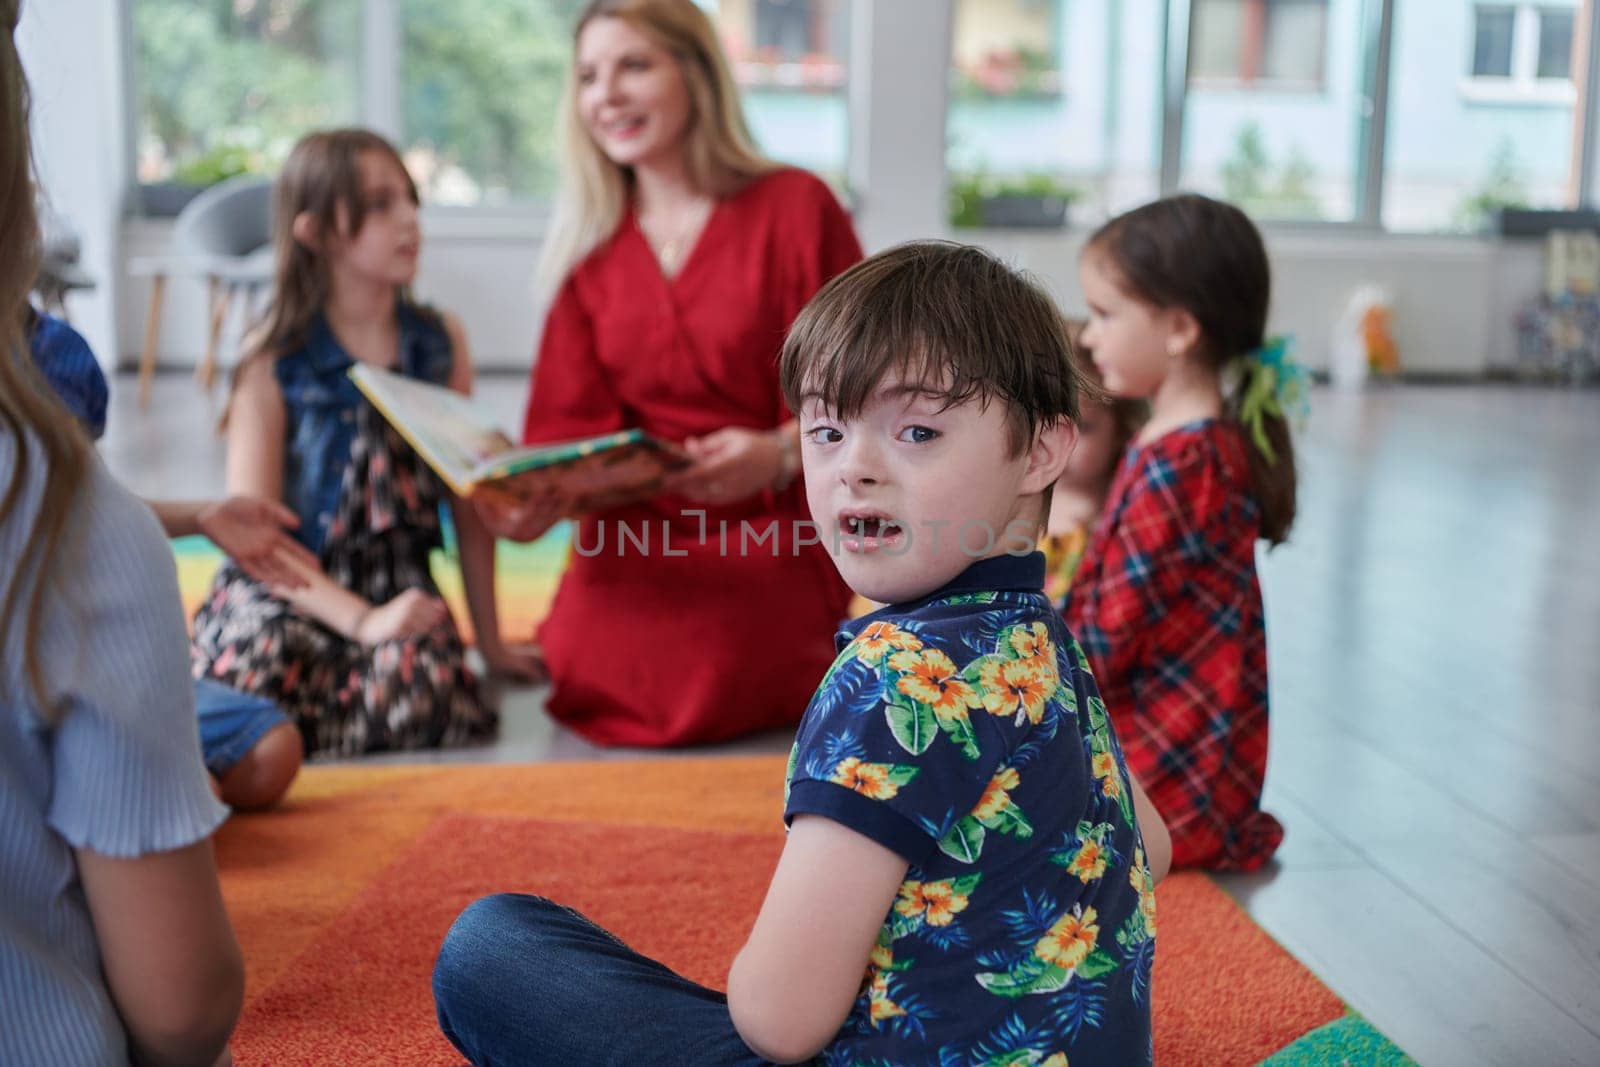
{"x": 677, "y": 260}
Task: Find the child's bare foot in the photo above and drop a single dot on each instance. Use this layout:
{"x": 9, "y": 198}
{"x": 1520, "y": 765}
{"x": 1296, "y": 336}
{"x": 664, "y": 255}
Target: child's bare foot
{"x": 521, "y": 663}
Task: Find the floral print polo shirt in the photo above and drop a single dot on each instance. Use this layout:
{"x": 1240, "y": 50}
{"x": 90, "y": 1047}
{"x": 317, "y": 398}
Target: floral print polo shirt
{"x": 964, "y": 732}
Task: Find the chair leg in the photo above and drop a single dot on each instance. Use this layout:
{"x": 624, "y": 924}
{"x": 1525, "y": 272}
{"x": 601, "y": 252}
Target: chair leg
{"x": 152, "y": 332}
{"x": 220, "y": 296}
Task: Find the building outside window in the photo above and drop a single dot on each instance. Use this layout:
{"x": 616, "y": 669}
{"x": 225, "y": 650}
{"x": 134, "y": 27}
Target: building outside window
{"x": 1480, "y": 113}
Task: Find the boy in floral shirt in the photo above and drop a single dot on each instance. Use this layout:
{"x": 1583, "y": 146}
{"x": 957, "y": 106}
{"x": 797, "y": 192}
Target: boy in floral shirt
{"x": 965, "y": 881}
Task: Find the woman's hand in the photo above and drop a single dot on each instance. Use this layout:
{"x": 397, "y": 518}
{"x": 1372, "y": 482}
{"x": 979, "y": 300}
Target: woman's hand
{"x": 526, "y": 520}
{"x": 730, "y": 464}
{"x": 253, "y": 532}
{"x": 411, "y": 613}
{"x": 521, "y": 662}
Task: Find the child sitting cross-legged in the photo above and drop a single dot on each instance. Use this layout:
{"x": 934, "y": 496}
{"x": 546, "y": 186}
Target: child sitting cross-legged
{"x": 965, "y": 879}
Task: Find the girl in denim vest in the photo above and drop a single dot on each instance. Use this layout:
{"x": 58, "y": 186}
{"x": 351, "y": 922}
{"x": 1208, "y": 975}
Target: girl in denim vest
{"x": 364, "y": 656}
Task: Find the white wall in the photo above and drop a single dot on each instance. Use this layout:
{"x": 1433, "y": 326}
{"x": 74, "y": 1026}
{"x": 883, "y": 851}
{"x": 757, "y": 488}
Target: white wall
{"x": 1453, "y": 297}
{"x": 72, "y": 51}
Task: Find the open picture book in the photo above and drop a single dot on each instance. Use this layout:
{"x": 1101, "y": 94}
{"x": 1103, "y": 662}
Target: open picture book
{"x": 474, "y": 457}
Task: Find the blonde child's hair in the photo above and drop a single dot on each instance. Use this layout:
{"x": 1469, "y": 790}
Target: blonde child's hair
{"x": 593, "y": 191}
{"x": 29, "y": 414}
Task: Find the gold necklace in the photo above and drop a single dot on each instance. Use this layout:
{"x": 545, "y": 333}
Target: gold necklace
{"x": 671, "y": 250}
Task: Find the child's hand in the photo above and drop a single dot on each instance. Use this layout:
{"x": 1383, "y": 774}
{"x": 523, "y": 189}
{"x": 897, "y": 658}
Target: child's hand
{"x": 730, "y": 464}
{"x": 522, "y": 521}
{"x": 252, "y": 532}
{"x": 521, "y": 662}
{"x": 411, "y": 613}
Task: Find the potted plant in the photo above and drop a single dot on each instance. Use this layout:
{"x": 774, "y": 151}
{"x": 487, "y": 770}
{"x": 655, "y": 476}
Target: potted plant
{"x": 166, "y": 199}
{"x": 1029, "y": 201}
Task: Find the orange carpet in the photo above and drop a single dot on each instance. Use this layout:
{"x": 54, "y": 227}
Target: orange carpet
{"x": 342, "y": 898}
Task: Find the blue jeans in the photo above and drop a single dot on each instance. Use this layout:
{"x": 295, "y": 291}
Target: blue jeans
{"x": 523, "y": 980}
{"x": 231, "y": 722}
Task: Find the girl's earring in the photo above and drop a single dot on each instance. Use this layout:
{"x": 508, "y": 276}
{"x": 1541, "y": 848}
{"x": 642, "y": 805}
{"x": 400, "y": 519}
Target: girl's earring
{"x": 1174, "y": 349}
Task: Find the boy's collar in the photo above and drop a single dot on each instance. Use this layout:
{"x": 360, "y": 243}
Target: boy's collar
{"x": 996, "y": 574}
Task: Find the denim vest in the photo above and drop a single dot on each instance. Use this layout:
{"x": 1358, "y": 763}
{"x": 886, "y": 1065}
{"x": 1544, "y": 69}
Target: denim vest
{"x": 320, "y": 404}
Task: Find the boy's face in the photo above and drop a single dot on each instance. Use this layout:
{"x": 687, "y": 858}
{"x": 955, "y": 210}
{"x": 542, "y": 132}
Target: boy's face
{"x": 910, "y": 492}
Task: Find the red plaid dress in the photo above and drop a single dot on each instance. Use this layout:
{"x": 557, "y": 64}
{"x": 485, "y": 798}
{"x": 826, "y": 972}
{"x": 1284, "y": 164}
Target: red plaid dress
{"x": 1167, "y": 606}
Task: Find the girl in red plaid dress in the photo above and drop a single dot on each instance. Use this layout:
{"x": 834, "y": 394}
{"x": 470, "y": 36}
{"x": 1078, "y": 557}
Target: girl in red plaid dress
{"x": 1166, "y": 601}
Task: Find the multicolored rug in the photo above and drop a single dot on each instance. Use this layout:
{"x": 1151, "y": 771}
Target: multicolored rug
{"x": 525, "y": 579}
{"x": 342, "y": 897}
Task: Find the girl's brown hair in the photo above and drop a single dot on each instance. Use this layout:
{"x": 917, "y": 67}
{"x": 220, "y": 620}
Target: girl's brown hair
{"x": 322, "y": 179}
{"x": 29, "y": 414}
{"x": 1207, "y": 257}
{"x": 721, "y": 154}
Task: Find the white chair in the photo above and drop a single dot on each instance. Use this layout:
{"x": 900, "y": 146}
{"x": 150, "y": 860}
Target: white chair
{"x": 60, "y": 269}
{"x": 224, "y": 235}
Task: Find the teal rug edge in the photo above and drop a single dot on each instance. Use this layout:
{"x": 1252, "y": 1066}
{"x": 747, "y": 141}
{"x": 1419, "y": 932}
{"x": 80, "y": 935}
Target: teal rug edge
{"x": 1350, "y": 1041}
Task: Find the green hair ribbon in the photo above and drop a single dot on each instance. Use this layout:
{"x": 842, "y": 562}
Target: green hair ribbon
{"x": 1274, "y": 385}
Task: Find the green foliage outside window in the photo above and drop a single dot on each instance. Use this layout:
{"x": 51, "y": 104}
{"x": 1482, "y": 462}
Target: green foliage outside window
{"x": 226, "y": 86}
{"x": 1501, "y": 188}
{"x": 481, "y": 83}
{"x": 1249, "y": 181}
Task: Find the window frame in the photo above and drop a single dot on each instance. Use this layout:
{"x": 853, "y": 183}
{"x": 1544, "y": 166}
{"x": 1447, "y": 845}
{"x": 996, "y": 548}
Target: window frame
{"x": 524, "y": 219}
{"x": 1249, "y": 77}
{"x": 1523, "y": 85}
{"x": 1054, "y": 89}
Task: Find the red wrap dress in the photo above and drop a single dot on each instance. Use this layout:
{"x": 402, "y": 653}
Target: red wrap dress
{"x": 679, "y": 623}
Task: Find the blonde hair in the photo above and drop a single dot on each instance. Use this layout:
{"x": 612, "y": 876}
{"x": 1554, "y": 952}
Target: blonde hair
{"x": 721, "y": 155}
{"x": 29, "y": 414}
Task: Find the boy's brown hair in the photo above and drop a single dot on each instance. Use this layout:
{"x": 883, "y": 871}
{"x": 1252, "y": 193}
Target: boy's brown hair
{"x": 949, "y": 316}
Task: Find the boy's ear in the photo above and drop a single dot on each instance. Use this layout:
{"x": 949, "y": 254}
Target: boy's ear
{"x": 306, "y": 232}
{"x": 1047, "y": 459}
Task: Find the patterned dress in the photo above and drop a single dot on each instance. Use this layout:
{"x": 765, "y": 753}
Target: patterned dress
{"x": 964, "y": 733}
{"x": 348, "y": 699}
{"x": 1168, "y": 607}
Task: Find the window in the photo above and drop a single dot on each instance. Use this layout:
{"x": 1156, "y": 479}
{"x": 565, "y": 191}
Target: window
{"x": 1555, "y": 45}
{"x": 1007, "y": 48}
{"x": 1521, "y": 52}
{"x": 1461, "y": 147}
{"x": 1041, "y": 110}
{"x": 1491, "y": 48}
{"x": 1271, "y": 115}
{"x": 1255, "y": 42}
{"x": 227, "y": 88}
{"x": 790, "y": 58}
{"x": 789, "y": 29}
{"x": 480, "y": 89}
